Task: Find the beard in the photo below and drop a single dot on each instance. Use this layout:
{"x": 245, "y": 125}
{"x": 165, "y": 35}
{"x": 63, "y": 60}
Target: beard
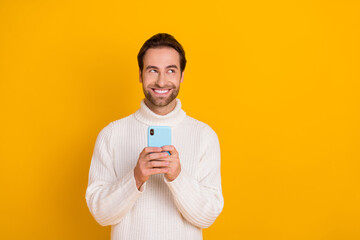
{"x": 161, "y": 101}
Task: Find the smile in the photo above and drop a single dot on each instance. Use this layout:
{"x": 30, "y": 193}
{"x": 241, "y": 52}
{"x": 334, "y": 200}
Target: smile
{"x": 161, "y": 91}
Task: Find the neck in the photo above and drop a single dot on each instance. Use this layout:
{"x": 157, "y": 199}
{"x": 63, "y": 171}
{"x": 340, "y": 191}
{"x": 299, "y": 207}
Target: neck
{"x": 151, "y": 118}
{"x": 161, "y": 110}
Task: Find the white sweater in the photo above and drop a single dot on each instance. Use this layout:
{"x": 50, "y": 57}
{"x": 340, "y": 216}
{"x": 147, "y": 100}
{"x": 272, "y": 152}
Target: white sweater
{"x": 160, "y": 209}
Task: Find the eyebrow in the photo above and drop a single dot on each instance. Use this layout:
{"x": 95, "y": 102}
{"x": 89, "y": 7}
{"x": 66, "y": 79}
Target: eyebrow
{"x": 150, "y": 66}
{"x": 170, "y": 66}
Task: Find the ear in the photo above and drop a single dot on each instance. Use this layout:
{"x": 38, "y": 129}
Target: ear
{"x": 182, "y": 76}
{"x": 140, "y": 76}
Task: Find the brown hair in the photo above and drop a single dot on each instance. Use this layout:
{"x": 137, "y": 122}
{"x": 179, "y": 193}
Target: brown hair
{"x": 162, "y": 40}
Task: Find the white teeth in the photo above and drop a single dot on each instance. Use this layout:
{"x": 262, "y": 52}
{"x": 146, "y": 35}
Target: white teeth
{"x": 161, "y": 91}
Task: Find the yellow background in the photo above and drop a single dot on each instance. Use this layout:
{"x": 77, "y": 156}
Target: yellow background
{"x": 277, "y": 80}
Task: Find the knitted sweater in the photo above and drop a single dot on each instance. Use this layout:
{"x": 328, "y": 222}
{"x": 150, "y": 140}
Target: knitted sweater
{"x": 160, "y": 209}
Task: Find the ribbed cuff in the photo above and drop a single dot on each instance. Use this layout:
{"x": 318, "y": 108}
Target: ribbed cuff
{"x": 129, "y": 187}
{"x": 179, "y": 184}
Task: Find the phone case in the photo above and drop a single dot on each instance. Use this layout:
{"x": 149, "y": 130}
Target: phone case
{"x": 161, "y": 136}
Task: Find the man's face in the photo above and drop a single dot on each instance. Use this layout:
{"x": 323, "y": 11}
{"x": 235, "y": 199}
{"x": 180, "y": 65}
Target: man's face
{"x": 161, "y": 75}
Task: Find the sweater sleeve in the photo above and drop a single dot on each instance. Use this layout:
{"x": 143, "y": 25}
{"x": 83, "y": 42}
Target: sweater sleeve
{"x": 199, "y": 198}
{"x": 108, "y": 197}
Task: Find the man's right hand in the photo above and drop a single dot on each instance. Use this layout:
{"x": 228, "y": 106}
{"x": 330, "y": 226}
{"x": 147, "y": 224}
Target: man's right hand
{"x": 151, "y": 161}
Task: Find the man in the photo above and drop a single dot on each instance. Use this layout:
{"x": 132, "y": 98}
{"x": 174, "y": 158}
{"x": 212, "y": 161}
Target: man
{"x": 143, "y": 192}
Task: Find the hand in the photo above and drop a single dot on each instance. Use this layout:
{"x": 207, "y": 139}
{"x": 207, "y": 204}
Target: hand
{"x": 174, "y": 167}
{"x": 152, "y": 160}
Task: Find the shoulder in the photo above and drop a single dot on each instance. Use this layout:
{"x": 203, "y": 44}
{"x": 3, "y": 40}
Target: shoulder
{"x": 205, "y": 129}
{"x": 123, "y": 122}
{"x": 205, "y": 136}
{"x": 114, "y": 126}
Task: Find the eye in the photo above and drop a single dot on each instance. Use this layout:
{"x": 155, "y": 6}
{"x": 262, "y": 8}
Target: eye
{"x": 152, "y": 70}
{"x": 171, "y": 70}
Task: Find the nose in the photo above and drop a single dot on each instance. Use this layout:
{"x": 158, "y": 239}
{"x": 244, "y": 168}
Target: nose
{"x": 160, "y": 81}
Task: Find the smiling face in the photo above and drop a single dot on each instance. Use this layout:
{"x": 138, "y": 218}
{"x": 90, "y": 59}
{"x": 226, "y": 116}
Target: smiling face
{"x": 161, "y": 78}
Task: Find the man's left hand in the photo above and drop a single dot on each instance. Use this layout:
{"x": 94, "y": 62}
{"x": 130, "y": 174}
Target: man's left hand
{"x": 174, "y": 166}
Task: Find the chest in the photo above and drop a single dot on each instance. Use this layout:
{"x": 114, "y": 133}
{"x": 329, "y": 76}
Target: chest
{"x": 129, "y": 143}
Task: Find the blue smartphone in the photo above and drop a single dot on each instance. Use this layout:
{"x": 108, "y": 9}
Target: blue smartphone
{"x": 159, "y": 136}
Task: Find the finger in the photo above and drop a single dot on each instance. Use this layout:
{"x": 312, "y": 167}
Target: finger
{"x": 156, "y": 156}
{"x": 169, "y": 148}
{"x": 148, "y": 150}
{"x": 158, "y": 164}
{"x": 153, "y": 171}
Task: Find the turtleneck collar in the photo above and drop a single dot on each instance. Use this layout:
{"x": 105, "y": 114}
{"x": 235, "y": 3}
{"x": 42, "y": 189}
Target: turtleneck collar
{"x": 148, "y": 117}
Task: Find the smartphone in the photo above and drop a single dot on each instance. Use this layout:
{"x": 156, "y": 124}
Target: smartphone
{"x": 159, "y": 136}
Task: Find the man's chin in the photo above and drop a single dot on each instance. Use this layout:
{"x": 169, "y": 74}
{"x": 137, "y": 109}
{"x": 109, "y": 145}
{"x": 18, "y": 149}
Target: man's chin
{"x": 161, "y": 102}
